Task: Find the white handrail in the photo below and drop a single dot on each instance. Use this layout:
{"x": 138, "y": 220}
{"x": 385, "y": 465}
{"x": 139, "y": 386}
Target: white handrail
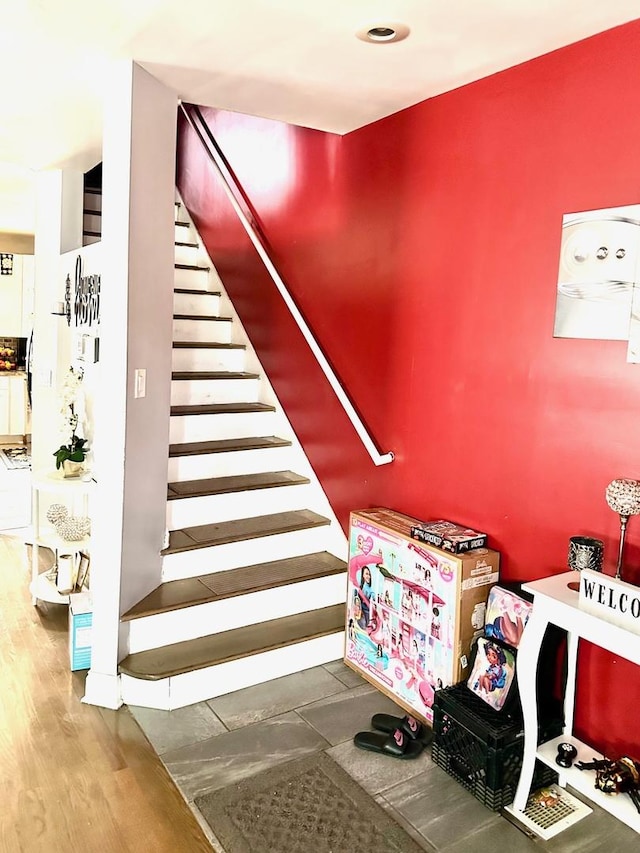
{"x": 204, "y": 136}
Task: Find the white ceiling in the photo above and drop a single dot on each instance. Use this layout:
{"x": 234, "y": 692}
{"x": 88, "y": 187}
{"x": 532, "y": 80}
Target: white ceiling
{"x": 291, "y": 60}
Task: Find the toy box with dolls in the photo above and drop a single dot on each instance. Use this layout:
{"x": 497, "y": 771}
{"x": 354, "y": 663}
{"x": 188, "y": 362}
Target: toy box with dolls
{"x": 413, "y": 610}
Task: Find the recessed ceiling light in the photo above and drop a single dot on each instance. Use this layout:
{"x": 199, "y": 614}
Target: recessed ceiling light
{"x": 383, "y": 33}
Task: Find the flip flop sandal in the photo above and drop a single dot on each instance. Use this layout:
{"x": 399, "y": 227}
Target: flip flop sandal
{"x": 397, "y": 744}
{"x": 409, "y": 725}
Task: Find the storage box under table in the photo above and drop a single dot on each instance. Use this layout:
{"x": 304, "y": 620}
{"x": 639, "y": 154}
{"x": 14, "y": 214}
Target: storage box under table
{"x": 80, "y": 626}
{"x": 481, "y": 749}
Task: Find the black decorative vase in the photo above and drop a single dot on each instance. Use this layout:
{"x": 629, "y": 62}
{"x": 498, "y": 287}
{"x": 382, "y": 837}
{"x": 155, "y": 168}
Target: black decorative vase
{"x": 584, "y": 553}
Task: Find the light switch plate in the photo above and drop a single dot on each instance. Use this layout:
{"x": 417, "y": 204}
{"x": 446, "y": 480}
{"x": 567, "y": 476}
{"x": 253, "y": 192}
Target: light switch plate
{"x": 140, "y": 382}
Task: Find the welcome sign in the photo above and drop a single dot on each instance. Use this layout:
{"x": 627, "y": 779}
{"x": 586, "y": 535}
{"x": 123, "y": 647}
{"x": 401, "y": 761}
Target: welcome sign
{"x": 612, "y": 600}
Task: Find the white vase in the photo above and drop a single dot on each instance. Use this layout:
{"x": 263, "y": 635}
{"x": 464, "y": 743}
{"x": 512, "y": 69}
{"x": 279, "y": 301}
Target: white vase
{"x": 67, "y": 573}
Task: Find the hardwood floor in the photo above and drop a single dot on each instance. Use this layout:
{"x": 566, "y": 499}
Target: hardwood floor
{"x": 72, "y": 777}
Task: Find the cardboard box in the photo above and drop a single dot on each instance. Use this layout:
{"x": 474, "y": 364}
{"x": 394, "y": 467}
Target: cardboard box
{"x": 413, "y": 610}
{"x": 449, "y": 536}
{"x": 80, "y": 626}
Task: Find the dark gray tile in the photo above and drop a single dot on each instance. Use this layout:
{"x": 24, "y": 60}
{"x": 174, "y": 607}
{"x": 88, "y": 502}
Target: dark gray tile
{"x": 439, "y": 808}
{"x": 498, "y": 835}
{"x": 344, "y": 673}
{"x": 401, "y": 821}
{"x": 376, "y": 772}
{"x": 229, "y": 757}
{"x": 597, "y": 831}
{"x": 339, "y": 717}
{"x": 167, "y": 730}
{"x": 262, "y": 701}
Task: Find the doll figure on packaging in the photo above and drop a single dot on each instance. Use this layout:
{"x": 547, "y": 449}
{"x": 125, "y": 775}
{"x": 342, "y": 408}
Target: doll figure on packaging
{"x": 495, "y": 675}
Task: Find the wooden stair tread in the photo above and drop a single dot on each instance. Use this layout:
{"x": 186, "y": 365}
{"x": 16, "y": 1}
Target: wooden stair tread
{"x": 185, "y": 245}
{"x": 197, "y": 291}
{"x": 88, "y": 212}
{"x": 237, "y": 483}
{"x": 182, "y": 224}
{"x": 178, "y": 594}
{"x": 222, "y": 409}
{"x": 211, "y": 317}
{"x": 178, "y": 658}
{"x": 213, "y": 374}
{"x": 225, "y": 445}
{"x": 206, "y": 345}
{"x": 242, "y": 529}
{"x": 196, "y": 267}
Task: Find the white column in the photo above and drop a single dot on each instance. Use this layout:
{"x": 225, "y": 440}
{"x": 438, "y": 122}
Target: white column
{"x": 58, "y": 229}
{"x": 132, "y": 433}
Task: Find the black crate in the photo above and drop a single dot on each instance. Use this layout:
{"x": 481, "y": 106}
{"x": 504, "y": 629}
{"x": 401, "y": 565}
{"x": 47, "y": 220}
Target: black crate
{"x": 479, "y": 749}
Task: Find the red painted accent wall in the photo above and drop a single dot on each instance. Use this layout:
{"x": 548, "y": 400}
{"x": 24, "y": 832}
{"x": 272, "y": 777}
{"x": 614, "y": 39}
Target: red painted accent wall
{"x": 423, "y": 250}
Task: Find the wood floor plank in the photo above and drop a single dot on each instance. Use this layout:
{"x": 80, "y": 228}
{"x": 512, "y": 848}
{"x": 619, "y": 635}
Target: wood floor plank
{"x": 73, "y": 777}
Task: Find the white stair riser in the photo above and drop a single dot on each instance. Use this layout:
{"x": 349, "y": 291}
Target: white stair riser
{"x": 194, "y": 279}
{"x": 202, "y": 684}
{"x": 193, "y": 392}
{"x": 92, "y": 222}
{"x": 204, "y": 304}
{"x": 219, "y": 558}
{"x": 183, "y": 428}
{"x": 184, "y": 234}
{"x": 187, "y": 512}
{"x": 186, "y": 358}
{"x": 188, "y": 254}
{"x": 230, "y": 464}
{"x": 213, "y": 331}
{"x": 92, "y": 201}
{"x": 216, "y": 616}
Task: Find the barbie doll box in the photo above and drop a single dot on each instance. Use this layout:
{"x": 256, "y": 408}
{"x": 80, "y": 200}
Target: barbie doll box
{"x": 413, "y": 610}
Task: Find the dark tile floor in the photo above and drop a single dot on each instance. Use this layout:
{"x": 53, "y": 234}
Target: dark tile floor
{"x": 216, "y": 743}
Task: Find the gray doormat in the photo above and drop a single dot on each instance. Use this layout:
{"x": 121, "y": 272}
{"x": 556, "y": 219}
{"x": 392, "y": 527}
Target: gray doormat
{"x": 308, "y": 806}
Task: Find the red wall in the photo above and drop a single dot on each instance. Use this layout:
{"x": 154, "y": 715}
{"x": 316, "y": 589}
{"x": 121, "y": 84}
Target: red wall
{"x": 423, "y": 250}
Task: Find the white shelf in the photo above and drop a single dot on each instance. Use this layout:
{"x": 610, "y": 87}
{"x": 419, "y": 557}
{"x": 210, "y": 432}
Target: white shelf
{"x": 44, "y": 589}
{"x": 53, "y": 481}
{"x": 50, "y": 539}
{"x": 583, "y": 781}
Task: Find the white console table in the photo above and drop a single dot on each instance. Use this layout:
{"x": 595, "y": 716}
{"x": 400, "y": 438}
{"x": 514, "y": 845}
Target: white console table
{"x": 69, "y": 492}
{"x": 554, "y": 603}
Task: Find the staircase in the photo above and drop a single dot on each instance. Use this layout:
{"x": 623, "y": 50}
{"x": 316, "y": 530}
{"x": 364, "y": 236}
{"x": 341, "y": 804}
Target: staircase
{"x": 254, "y": 572}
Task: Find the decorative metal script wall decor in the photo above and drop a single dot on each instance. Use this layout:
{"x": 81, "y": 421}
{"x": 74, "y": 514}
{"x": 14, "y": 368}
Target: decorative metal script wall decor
{"x": 86, "y": 297}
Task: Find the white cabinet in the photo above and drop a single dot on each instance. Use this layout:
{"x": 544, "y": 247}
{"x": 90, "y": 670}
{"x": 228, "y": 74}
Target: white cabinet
{"x": 72, "y": 493}
{"x": 4, "y": 406}
{"x": 13, "y": 404}
{"x": 17, "y": 298}
{"x": 17, "y": 405}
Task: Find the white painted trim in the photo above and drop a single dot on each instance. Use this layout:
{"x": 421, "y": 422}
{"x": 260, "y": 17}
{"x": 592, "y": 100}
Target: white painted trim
{"x": 102, "y": 689}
